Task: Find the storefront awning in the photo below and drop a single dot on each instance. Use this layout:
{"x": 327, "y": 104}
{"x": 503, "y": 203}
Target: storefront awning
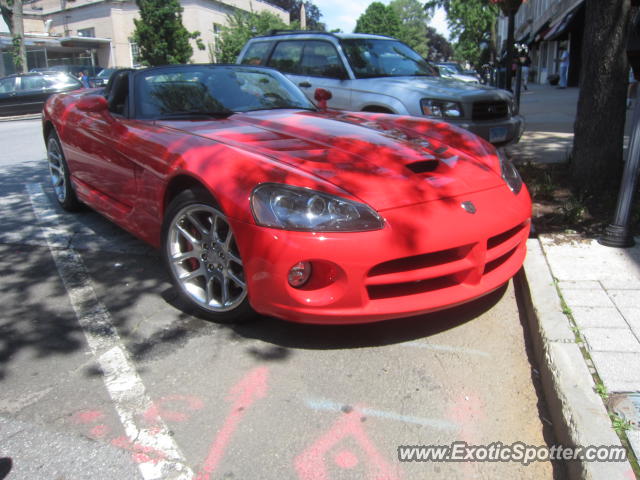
{"x": 540, "y": 33}
{"x": 525, "y": 38}
{"x": 84, "y": 42}
{"x": 564, "y": 24}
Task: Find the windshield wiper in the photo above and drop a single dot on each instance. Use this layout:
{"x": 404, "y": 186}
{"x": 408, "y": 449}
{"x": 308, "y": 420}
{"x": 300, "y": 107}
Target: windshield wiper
{"x": 196, "y": 113}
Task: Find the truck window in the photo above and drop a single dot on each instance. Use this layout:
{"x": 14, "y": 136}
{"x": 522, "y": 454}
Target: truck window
{"x": 286, "y": 57}
{"x": 320, "y": 59}
{"x": 256, "y": 53}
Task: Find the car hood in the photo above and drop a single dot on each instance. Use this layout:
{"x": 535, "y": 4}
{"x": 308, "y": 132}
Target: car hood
{"x": 386, "y": 161}
{"x": 441, "y": 87}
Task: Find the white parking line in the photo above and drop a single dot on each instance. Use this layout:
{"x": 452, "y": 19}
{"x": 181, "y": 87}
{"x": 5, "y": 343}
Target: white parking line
{"x": 444, "y": 348}
{"x": 320, "y": 404}
{"x": 120, "y": 377}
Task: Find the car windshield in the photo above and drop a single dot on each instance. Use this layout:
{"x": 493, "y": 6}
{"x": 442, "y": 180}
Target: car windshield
{"x": 446, "y": 70}
{"x": 454, "y": 67}
{"x": 106, "y": 72}
{"x": 209, "y": 90}
{"x": 384, "y": 58}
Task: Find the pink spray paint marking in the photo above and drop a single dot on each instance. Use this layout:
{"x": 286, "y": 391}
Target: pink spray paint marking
{"x": 88, "y": 416}
{"x": 467, "y": 411}
{"x": 251, "y": 388}
{"x": 346, "y": 459}
{"x": 159, "y": 410}
{"x": 311, "y": 464}
{"x": 140, "y": 453}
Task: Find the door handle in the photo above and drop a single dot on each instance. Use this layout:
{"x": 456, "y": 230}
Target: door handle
{"x": 304, "y": 84}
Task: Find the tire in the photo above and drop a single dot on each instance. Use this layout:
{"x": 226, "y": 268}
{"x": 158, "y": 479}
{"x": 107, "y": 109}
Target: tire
{"x": 60, "y": 175}
{"x": 202, "y": 258}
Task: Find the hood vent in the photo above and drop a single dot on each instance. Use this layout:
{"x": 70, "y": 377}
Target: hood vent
{"x": 423, "y": 166}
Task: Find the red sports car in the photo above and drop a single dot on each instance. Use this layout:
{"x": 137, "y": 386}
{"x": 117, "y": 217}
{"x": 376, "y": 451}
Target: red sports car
{"x": 261, "y": 202}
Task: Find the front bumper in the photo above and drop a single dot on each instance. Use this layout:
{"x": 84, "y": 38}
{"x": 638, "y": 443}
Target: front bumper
{"x": 427, "y": 257}
{"x": 498, "y": 132}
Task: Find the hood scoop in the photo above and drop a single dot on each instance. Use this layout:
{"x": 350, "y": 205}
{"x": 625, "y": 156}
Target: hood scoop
{"x": 423, "y": 166}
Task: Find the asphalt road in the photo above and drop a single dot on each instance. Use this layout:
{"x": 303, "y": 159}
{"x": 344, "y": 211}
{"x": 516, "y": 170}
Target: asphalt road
{"x": 102, "y": 376}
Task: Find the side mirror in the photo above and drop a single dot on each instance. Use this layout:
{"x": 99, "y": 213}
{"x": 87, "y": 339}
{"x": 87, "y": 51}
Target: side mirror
{"x": 322, "y": 96}
{"x": 93, "y": 104}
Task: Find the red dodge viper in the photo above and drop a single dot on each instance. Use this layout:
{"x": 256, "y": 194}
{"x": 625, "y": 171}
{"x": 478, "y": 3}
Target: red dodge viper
{"x": 260, "y": 201}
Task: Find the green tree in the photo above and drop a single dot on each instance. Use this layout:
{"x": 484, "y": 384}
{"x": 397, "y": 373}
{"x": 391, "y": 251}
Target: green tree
{"x": 379, "y": 19}
{"x": 472, "y": 24}
{"x": 160, "y": 34}
{"x": 439, "y": 47}
{"x": 11, "y": 11}
{"x": 243, "y": 26}
{"x": 413, "y": 28}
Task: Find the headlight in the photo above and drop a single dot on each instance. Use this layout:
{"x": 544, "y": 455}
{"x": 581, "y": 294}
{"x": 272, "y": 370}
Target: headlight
{"x": 509, "y": 173}
{"x": 440, "y": 108}
{"x": 294, "y": 208}
{"x": 513, "y": 106}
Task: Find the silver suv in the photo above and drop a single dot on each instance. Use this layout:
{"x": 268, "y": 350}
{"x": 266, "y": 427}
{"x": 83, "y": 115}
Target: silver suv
{"x": 380, "y": 74}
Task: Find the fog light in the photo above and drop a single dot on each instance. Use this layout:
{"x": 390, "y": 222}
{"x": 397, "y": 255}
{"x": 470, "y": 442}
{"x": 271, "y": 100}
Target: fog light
{"x": 299, "y": 274}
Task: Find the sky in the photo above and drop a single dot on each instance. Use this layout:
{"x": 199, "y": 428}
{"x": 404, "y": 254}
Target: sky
{"x": 343, "y": 15}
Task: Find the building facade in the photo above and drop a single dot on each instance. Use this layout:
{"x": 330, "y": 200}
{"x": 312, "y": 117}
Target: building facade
{"x": 99, "y": 32}
{"x": 546, "y": 27}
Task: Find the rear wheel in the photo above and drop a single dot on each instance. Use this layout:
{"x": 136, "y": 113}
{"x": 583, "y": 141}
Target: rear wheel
{"x": 60, "y": 175}
{"x": 203, "y": 260}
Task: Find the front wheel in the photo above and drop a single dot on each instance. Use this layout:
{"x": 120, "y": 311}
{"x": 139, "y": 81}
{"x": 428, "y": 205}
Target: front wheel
{"x": 60, "y": 175}
{"x": 200, "y": 251}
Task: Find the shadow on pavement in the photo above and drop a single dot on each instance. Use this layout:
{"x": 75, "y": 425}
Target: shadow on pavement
{"x": 135, "y": 288}
{"x": 326, "y": 337}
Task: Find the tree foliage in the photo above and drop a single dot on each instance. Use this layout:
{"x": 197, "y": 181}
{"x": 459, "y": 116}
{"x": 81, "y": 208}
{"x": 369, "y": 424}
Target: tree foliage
{"x": 439, "y": 47}
{"x": 312, "y": 12}
{"x": 471, "y": 23}
{"x": 413, "y": 24}
{"x": 243, "y": 26}
{"x": 379, "y": 19}
{"x": 160, "y": 34}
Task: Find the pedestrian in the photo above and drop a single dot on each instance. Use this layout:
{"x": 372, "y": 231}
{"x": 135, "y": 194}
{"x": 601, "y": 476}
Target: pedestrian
{"x": 84, "y": 78}
{"x": 564, "y": 67}
{"x": 526, "y": 63}
{"x": 632, "y": 91}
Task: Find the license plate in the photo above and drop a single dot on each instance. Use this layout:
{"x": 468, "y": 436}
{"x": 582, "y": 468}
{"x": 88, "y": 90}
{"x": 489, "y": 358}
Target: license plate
{"x": 498, "y": 134}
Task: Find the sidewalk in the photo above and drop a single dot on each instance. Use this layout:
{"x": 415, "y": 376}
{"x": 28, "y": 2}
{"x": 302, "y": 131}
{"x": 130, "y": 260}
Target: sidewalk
{"x": 584, "y": 307}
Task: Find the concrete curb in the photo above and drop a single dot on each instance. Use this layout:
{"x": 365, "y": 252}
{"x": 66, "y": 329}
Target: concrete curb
{"x": 578, "y": 413}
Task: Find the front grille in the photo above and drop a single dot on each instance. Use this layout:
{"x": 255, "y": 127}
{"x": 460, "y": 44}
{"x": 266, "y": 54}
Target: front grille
{"x": 428, "y": 260}
{"x": 379, "y": 292}
{"x": 431, "y": 272}
{"x": 493, "y": 110}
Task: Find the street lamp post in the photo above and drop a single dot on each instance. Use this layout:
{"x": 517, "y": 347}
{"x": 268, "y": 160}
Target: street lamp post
{"x": 618, "y": 233}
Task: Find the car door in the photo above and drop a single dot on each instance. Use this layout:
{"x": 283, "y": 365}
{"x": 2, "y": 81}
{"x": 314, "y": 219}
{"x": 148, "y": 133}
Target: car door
{"x": 8, "y": 91}
{"x": 31, "y": 93}
{"x": 99, "y": 148}
{"x": 312, "y": 64}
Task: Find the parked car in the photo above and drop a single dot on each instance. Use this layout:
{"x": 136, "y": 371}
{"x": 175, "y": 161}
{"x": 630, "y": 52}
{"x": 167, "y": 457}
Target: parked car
{"x": 448, "y": 72}
{"x": 259, "y": 201}
{"x": 381, "y": 74}
{"x": 26, "y": 93}
{"x": 71, "y": 69}
{"x": 102, "y": 78}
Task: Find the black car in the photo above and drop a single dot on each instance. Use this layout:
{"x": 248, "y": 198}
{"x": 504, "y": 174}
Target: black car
{"x": 27, "y": 92}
